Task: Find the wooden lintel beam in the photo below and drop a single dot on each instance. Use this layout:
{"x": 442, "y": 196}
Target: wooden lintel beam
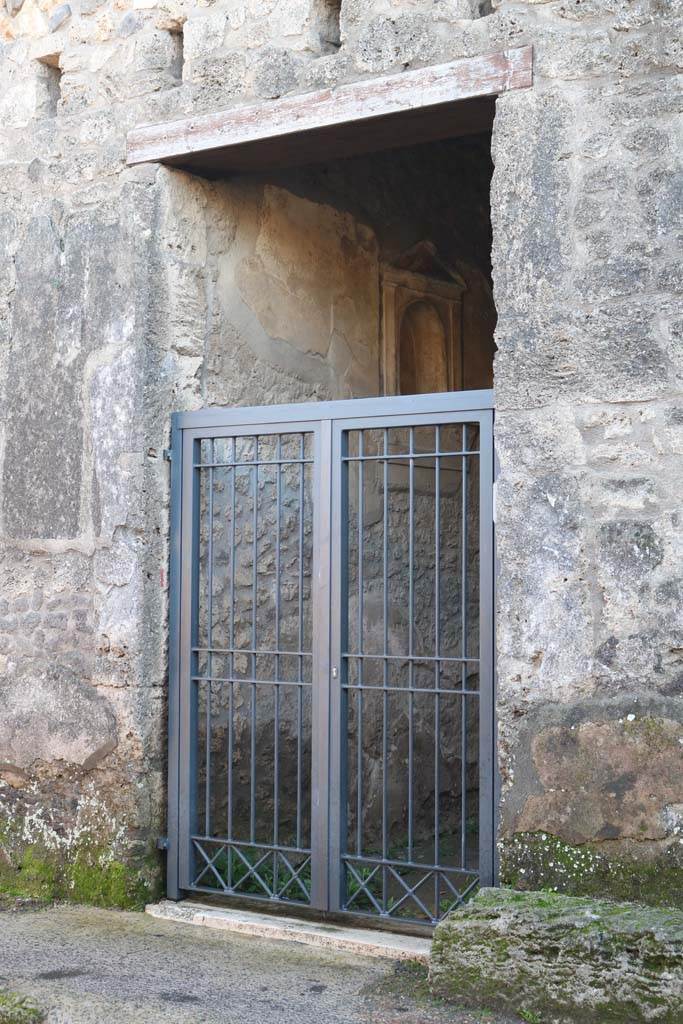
{"x": 355, "y": 103}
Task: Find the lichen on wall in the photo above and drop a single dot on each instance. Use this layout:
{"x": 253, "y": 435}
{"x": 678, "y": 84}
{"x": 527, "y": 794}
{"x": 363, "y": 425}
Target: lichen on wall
{"x": 87, "y": 861}
{"x": 625, "y": 870}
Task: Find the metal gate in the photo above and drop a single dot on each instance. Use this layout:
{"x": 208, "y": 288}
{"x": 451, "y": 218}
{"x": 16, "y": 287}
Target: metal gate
{"x": 331, "y": 654}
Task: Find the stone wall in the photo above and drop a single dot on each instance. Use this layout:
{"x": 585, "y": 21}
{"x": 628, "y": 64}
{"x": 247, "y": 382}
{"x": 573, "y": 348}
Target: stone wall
{"x": 126, "y": 293}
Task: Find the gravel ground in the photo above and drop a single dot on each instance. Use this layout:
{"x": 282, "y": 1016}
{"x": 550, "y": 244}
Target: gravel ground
{"x": 88, "y": 966}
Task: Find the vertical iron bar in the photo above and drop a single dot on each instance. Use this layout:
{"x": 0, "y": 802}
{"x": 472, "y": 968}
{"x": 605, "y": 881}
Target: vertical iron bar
{"x": 437, "y": 663}
{"x": 276, "y": 722}
{"x": 494, "y": 866}
{"x": 276, "y": 785}
{"x": 385, "y": 665}
{"x": 411, "y": 666}
{"x": 252, "y": 767}
{"x": 487, "y": 767}
{"x": 231, "y": 710}
{"x": 174, "y": 687}
{"x": 278, "y": 508}
{"x": 254, "y": 599}
{"x": 209, "y": 644}
{"x": 189, "y": 607}
{"x": 302, "y": 499}
{"x": 254, "y": 561}
{"x": 463, "y": 648}
{"x": 299, "y": 762}
{"x": 207, "y": 785}
{"x": 231, "y": 698}
{"x": 325, "y": 683}
{"x": 233, "y": 481}
{"x": 299, "y": 730}
{"x": 359, "y": 661}
{"x": 336, "y": 603}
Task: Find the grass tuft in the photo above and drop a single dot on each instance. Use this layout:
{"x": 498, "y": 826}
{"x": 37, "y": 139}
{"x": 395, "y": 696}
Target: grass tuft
{"x": 17, "y": 1009}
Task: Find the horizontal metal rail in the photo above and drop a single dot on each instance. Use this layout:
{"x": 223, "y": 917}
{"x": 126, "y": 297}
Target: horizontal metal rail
{"x": 409, "y": 457}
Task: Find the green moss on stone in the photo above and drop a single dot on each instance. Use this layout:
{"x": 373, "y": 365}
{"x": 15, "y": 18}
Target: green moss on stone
{"x": 541, "y": 861}
{"x": 32, "y": 878}
{"x": 562, "y": 958}
{"x": 91, "y": 878}
{"x": 16, "y": 1009}
{"x": 86, "y": 873}
{"x": 652, "y": 732}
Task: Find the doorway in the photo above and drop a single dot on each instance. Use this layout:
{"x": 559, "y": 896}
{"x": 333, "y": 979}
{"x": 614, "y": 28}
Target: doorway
{"x": 331, "y": 716}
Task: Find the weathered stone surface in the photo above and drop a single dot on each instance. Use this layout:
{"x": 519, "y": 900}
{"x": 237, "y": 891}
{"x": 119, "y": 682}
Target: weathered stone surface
{"x": 77, "y": 724}
{"x": 622, "y": 773}
{"x": 59, "y": 16}
{"x": 67, "y": 304}
{"x": 331, "y": 299}
{"x": 635, "y": 870}
{"x": 561, "y": 959}
{"x": 275, "y": 72}
{"x": 218, "y": 79}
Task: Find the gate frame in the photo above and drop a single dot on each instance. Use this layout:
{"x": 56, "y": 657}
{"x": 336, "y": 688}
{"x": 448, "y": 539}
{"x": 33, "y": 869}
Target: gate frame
{"x": 327, "y": 421}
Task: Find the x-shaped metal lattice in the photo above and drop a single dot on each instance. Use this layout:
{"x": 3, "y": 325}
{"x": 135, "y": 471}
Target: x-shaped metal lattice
{"x": 278, "y": 890}
{"x": 410, "y": 892}
{"x": 294, "y": 876}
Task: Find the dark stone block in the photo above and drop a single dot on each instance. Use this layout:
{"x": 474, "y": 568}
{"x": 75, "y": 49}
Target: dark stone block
{"x": 630, "y": 547}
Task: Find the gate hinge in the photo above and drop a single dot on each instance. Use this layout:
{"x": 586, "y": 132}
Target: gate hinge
{"x": 162, "y": 843}
{"x": 168, "y": 454}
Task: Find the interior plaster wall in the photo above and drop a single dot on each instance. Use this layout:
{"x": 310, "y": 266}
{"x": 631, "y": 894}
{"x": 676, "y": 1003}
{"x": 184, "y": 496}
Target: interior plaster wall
{"x": 116, "y": 307}
{"x": 293, "y": 260}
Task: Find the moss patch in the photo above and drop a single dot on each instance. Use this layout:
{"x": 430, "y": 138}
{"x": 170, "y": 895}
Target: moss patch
{"x": 16, "y": 1009}
{"x": 550, "y": 957}
{"x": 88, "y": 877}
{"x": 406, "y": 988}
{"x": 86, "y": 872}
{"x": 533, "y": 861}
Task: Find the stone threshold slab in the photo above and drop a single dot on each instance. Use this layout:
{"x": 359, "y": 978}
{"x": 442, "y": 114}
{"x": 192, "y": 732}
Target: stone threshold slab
{"x": 289, "y": 929}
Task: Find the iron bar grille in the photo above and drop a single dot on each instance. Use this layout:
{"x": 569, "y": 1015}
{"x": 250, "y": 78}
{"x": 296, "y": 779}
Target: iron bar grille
{"x": 410, "y": 670}
{"x": 251, "y": 667}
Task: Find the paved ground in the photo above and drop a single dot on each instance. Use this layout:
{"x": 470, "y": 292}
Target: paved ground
{"x": 89, "y": 966}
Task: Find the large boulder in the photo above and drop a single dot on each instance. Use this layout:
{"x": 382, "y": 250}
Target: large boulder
{"x": 560, "y": 959}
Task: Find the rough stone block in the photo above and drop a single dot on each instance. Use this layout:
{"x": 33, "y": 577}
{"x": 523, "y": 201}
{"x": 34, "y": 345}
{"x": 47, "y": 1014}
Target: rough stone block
{"x": 70, "y": 300}
{"x": 217, "y": 79}
{"x": 275, "y": 72}
{"x": 59, "y": 16}
{"x": 157, "y": 51}
{"x": 639, "y": 871}
{"x": 623, "y": 774}
{"x": 531, "y": 192}
{"x": 66, "y": 718}
{"x": 612, "y": 351}
{"x": 387, "y": 42}
{"x": 203, "y": 35}
{"x": 562, "y": 959}
{"x": 130, "y": 24}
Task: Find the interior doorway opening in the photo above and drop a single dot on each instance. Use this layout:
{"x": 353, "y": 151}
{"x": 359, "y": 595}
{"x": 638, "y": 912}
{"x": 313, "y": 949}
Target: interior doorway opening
{"x": 364, "y": 277}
